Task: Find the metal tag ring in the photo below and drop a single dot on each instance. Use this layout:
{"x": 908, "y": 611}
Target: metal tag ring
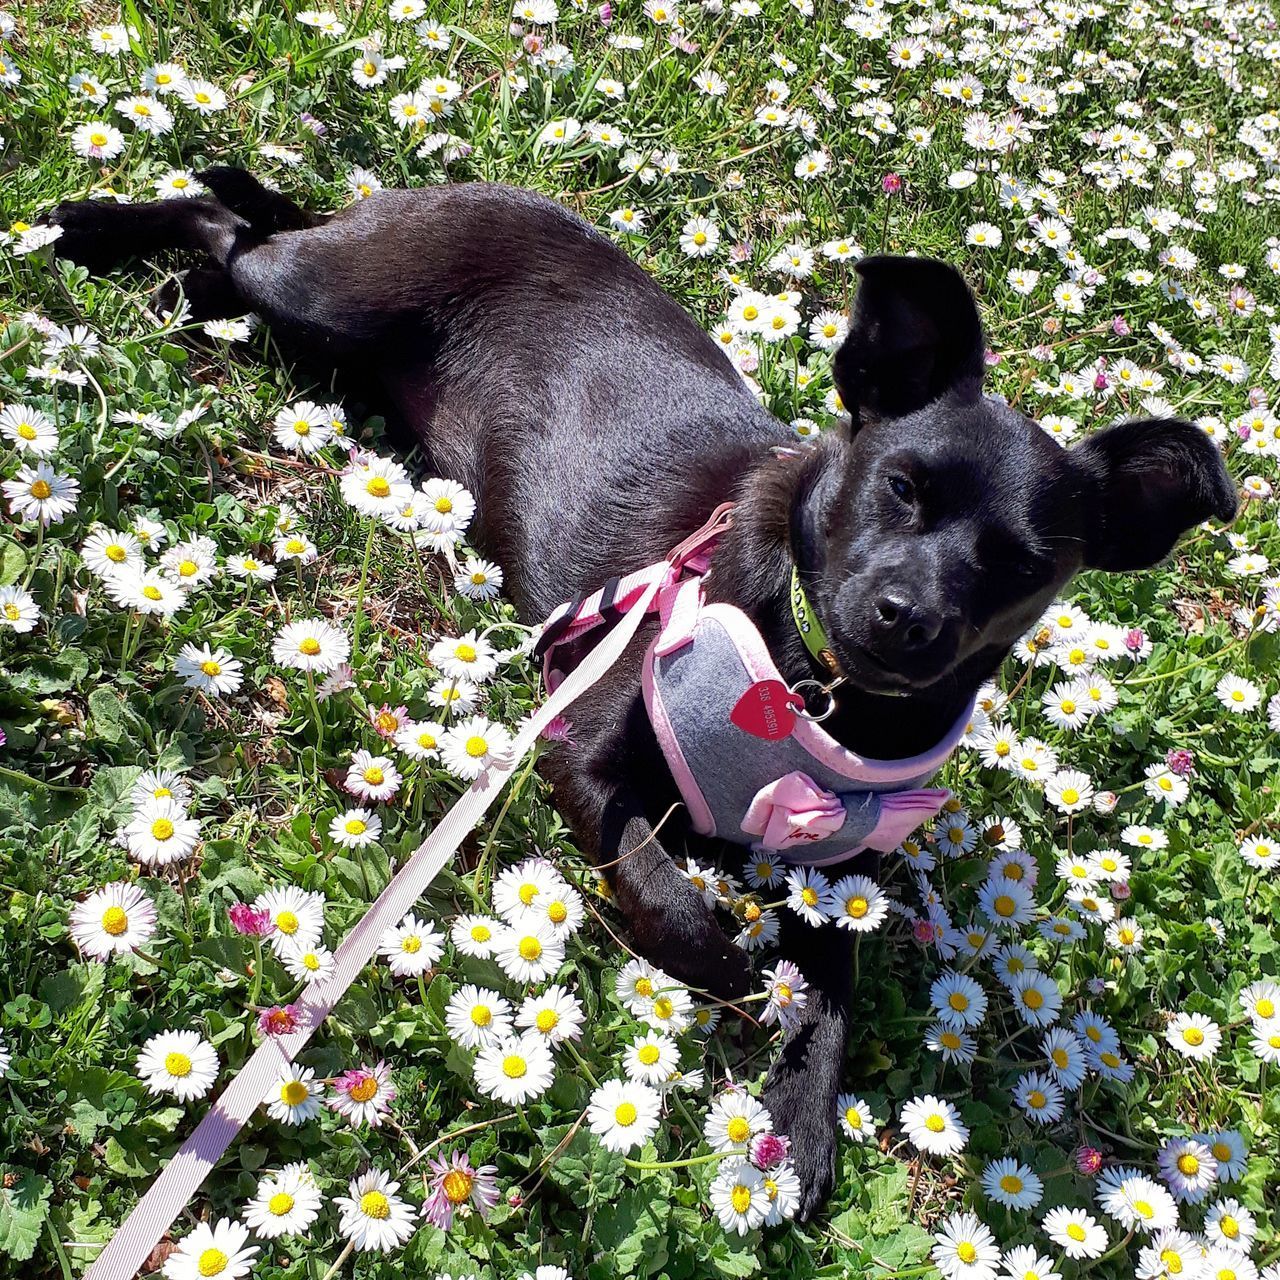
{"x": 803, "y": 712}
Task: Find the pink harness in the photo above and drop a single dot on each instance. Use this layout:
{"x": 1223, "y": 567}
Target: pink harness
{"x": 751, "y": 766}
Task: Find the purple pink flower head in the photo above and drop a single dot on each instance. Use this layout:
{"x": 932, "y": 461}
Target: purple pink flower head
{"x": 455, "y": 1183}
{"x": 891, "y": 184}
{"x": 1181, "y": 761}
{"x": 559, "y": 729}
{"x": 1088, "y": 1160}
{"x": 249, "y": 921}
{"x": 364, "y": 1094}
{"x": 388, "y": 720}
{"x": 1134, "y": 639}
{"x": 768, "y": 1149}
{"x": 605, "y": 13}
{"x": 279, "y": 1020}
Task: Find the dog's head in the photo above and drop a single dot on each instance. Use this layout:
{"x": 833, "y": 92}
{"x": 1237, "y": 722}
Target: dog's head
{"x": 936, "y": 534}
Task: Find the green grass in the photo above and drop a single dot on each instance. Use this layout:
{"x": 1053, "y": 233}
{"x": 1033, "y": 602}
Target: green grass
{"x": 89, "y": 698}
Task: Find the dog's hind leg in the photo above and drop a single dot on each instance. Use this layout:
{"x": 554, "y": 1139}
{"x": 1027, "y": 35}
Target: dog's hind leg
{"x": 102, "y": 234}
{"x": 266, "y": 211}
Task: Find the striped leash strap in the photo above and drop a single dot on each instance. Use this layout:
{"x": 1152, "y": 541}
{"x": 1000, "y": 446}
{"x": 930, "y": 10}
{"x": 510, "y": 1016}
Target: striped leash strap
{"x": 153, "y": 1215}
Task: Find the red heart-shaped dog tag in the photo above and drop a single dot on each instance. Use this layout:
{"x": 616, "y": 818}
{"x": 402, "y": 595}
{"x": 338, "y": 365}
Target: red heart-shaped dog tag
{"x": 767, "y": 710}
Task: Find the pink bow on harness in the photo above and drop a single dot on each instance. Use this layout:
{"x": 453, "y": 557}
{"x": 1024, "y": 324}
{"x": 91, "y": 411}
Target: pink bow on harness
{"x": 796, "y": 811}
{"x": 792, "y": 811}
{"x": 901, "y": 812}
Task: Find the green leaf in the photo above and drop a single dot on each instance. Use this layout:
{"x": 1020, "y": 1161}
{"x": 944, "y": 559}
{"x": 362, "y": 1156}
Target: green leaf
{"x": 13, "y": 559}
{"x": 24, "y": 1206}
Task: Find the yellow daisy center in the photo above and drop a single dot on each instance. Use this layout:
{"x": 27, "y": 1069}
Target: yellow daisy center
{"x": 373, "y": 1204}
{"x": 280, "y": 1204}
{"x": 211, "y": 1262}
{"x": 162, "y": 829}
{"x": 293, "y": 1093}
{"x": 514, "y": 1067}
{"x": 457, "y": 1185}
{"x": 364, "y": 1090}
{"x": 115, "y": 921}
{"x": 177, "y": 1064}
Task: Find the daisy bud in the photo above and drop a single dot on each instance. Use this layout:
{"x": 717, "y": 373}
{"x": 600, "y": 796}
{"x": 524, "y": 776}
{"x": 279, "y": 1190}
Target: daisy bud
{"x": 768, "y": 1149}
{"x": 1181, "y": 761}
{"x": 532, "y": 45}
{"x": 248, "y": 922}
{"x": 1121, "y": 891}
{"x": 1120, "y": 326}
{"x": 605, "y": 13}
{"x": 1105, "y": 801}
{"x": 514, "y": 1198}
{"x": 1134, "y": 639}
{"x": 891, "y": 184}
{"x": 1088, "y": 1160}
{"x": 922, "y": 931}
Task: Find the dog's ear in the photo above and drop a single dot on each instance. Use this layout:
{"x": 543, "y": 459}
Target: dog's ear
{"x": 915, "y": 335}
{"x": 1151, "y": 480}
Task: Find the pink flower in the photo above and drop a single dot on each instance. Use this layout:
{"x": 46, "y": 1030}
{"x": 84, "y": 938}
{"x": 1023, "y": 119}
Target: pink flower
{"x": 455, "y": 1183}
{"x": 1088, "y": 1160}
{"x": 559, "y": 729}
{"x": 891, "y": 184}
{"x": 605, "y": 13}
{"x": 1121, "y": 891}
{"x": 364, "y": 1095}
{"x": 768, "y": 1149}
{"x": 788, "y": 994}
{"x": 532, "y": 45}
{"x": 387, "y": 720}
{"x": 922, "y": 931}
{"x": 1120, "y": 326}
{"x": 1181, "y": 761}
{"x": 248, "y": 922}
{"x": 279, "y": 1020}
{"x": 1134, "y": 639}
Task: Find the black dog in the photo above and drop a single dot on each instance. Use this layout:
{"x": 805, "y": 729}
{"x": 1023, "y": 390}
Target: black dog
{"x": 598, "y": 425}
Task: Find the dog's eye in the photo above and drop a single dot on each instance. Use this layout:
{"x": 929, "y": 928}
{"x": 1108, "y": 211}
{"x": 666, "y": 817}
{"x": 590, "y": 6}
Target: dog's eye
{"x": 902, "y": 488}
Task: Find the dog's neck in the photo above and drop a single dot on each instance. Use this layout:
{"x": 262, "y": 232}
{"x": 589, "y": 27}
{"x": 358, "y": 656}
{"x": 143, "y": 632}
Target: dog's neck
{"x": 751, "y": 569}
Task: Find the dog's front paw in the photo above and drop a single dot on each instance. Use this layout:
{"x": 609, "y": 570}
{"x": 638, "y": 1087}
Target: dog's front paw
{"x": 685, "y": 940}
{"x": 806, "y": 1115}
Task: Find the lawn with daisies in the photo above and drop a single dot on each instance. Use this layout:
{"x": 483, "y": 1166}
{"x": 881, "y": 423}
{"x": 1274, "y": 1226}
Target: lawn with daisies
{"x": 249, "y": 657}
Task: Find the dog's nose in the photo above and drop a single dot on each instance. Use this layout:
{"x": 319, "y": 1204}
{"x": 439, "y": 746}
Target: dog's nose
{"x": 906, "y": 623}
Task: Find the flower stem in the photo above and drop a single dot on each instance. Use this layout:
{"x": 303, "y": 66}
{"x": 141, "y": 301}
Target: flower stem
{"x": 364, "y": 578}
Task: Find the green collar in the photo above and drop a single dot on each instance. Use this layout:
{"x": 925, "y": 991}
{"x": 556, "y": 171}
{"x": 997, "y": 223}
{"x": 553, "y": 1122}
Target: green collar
{"x": 811, "y": 630}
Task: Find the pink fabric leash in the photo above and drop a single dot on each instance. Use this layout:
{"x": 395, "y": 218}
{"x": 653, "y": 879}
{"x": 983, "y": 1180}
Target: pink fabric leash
{"x": 130, "y": 1247}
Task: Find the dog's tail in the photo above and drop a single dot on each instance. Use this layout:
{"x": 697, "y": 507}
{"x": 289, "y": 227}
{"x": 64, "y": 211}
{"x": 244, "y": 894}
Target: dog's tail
{"x": 265, "y": 210}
